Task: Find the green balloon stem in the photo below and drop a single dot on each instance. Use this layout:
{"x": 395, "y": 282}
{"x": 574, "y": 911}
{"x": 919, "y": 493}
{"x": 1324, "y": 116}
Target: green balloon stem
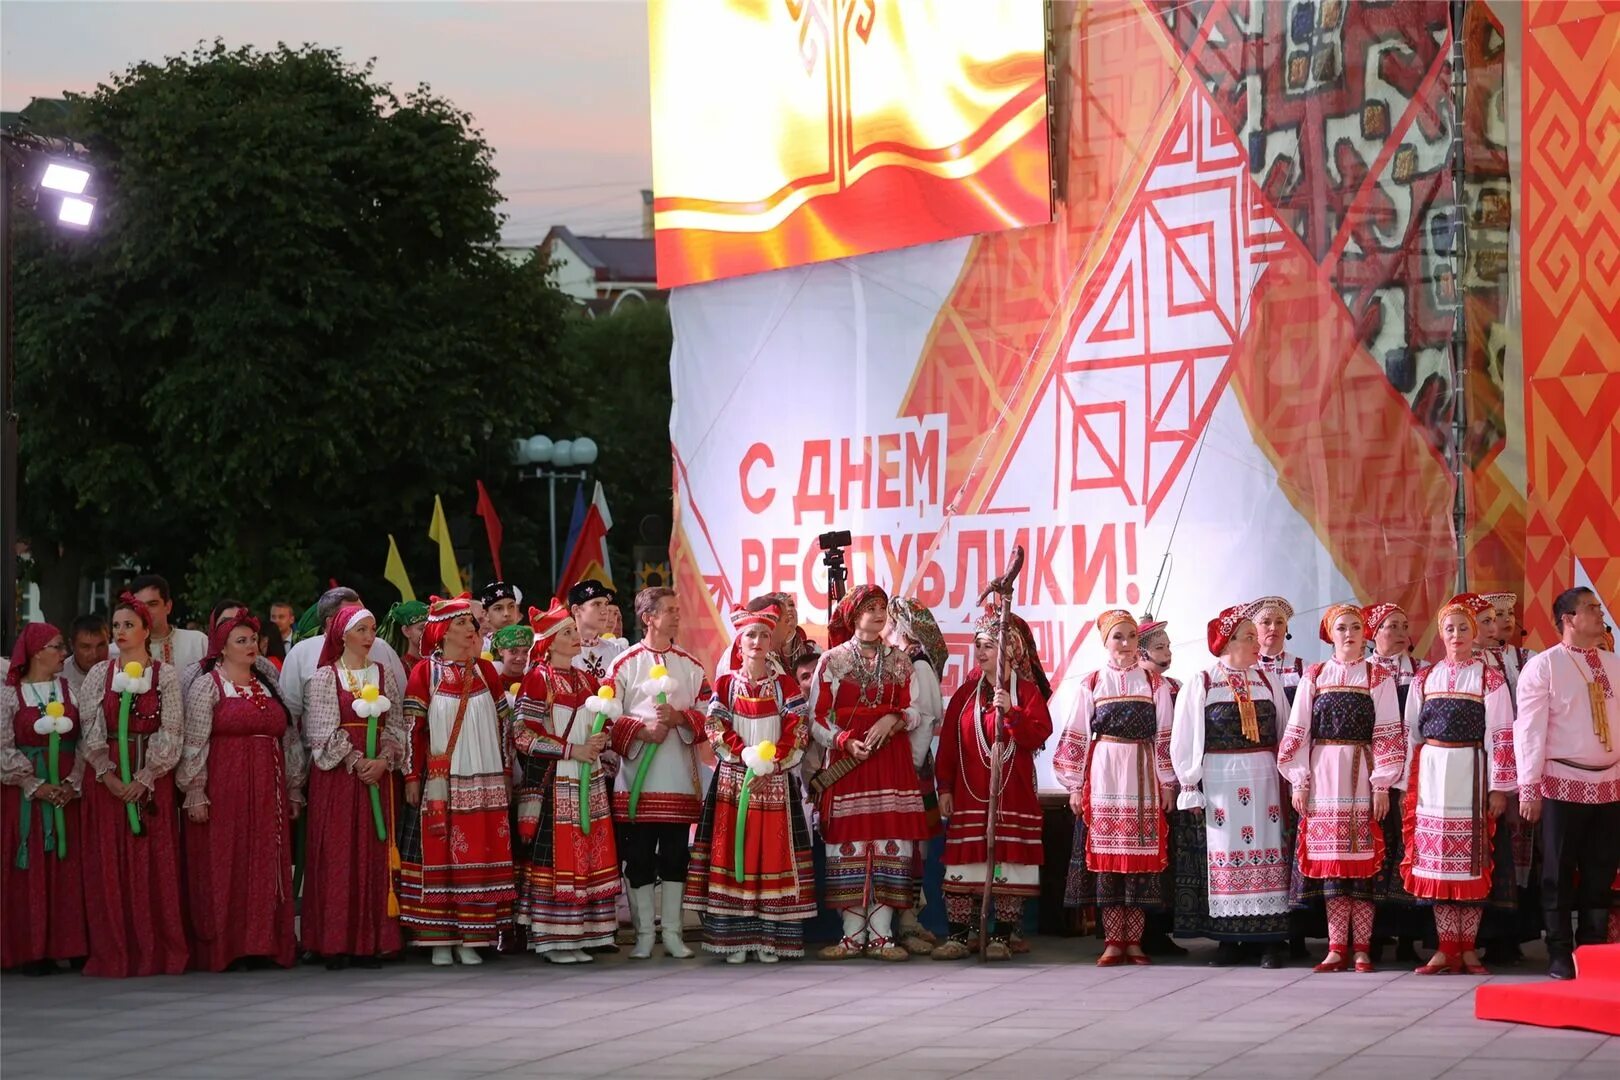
{"x": 54, "y": 769}
{"x": 124, "y": 701}
{"x": 742, "y": 826}
{"x": 585, "y": 782}
{"x": 376, "y": 796}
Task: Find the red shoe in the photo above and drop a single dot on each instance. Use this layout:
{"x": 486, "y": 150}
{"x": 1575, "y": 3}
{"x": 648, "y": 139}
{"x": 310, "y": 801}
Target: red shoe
{"x": 1476, "y": 969}
{"x": 1140, "y": 961}
{"x": 1451, "y": 965}
{"x": 1365, "y": 967}
{"x": 1328, "y": 967}
{"x": 1111, "y": 961}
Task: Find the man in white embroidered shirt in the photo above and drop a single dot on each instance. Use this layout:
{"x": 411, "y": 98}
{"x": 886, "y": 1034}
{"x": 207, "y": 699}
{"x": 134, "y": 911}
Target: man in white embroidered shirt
{"x": 1567, "y": 742}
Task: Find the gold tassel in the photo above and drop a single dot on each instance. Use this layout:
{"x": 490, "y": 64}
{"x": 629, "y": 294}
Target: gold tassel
{"x": 1251, "y": 724}
{"x": 393, "y": 853}
{"x": 1600, "y": 713}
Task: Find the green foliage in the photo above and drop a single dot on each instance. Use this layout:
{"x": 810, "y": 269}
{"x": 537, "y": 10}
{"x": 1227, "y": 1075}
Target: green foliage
{"x": 619, "y": 365}
{"x": 287, "y": 333}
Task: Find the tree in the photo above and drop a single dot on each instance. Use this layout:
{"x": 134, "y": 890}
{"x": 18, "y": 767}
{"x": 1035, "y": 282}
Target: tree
{"x": 626, "y": 355}
{"x": 289, "y": 332}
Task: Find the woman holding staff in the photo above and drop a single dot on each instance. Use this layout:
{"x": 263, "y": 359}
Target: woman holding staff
{"x": 354, "y": 720}
{"x": 41, "y": 862}
{"x": 133, "y": 735}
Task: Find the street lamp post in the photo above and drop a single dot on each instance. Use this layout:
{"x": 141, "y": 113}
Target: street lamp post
{"x": 45, "y": 176}
{"x": 540, "y": 458}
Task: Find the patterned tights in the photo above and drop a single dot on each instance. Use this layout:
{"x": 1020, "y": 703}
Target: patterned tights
{"x": 1350, "y": 924}
{"x": 1122, "y": 926}
{"x": 962, "y": 912}
{"x": 1456, "y": 926}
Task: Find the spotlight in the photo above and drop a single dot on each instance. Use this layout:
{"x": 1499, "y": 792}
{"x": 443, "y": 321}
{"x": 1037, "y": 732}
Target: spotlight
{"x": 70, "y": 179}
{"x": 76, "y": 211}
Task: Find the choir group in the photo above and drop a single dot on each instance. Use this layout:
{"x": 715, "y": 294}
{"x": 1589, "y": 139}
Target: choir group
{"x": 458, "y": 777}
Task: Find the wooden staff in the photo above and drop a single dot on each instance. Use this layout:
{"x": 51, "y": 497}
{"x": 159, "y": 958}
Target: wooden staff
{"x": 1002, "y": 587}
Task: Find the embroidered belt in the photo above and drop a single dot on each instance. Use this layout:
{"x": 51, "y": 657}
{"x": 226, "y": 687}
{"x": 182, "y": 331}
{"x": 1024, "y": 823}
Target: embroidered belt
{"x": 1444, "y": 745}
{"x": 1122, "y": 739}
{"x": 1341, "y": 742}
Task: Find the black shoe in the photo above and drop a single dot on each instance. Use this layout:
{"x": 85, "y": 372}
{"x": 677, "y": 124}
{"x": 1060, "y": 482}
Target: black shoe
{"x": 1297, "y": 949}
{"x": 336, "y": 963}
{"x": 1505, "y": 953}
{"x": 1275, "y": 956}
{"x": 368, "y": 963}
{"x": 1561, "y": 965}
{"x": 1227, "y": 954}
{"x": 1159, "y": 944}
{"x": 1592, "y": 926}
{"x": 37, "y": 968}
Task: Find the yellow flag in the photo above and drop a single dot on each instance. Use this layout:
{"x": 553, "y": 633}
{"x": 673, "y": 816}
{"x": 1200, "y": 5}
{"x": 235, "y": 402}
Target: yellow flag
{"x": 394, "y": 572}
{"x": 439, "y": 533}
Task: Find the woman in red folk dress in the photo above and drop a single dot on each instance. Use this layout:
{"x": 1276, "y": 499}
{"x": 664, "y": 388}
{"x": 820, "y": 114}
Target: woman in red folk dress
{"x": 758, "y": 727}
{"x": 1458, "y": 850}
{"x": 568, "y": 881}
{"x": 871, "y": 800}
{"x": 41, "y": 841}
{"x": 1114, "y": 757}
{"x": 354, "y": 721}
{"x": 1344, "y": 746}
{"x": 456, "y": 884}
{"x": 132, "y": 887}
{"x": 962, "y": 774}
{"x": 242, "y": 775}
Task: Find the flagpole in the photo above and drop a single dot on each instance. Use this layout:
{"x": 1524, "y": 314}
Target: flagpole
{"x": 552, "y": 477}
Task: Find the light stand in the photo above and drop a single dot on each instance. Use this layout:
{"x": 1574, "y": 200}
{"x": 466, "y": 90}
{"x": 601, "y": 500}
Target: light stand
{"x": 540, "y": 458}
{"x": 43, "y": 175}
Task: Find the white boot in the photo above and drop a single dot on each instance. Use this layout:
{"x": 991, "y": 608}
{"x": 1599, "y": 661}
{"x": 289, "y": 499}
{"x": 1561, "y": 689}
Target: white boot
{"x": 768, "y": 956}
{"x": 468, "y": 955}
{"x": 736, "y": 957}
{"x": 583, "y": 957}
{"x": 674, "y": 944}
{"x": 442, "y": 956}
{"x": 641, "y": 917}
{"x": 561, "y": 956}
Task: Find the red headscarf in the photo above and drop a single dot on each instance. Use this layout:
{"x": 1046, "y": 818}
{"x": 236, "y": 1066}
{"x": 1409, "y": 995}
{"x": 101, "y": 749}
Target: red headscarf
{"x": 222, "y": 631}
{"x": 841, "y": 627}
{"x": 30, "y": 641}
{"x": 332, "y": 645}
{"x": 1469, "y": 604}
{"x": 1375, "y": 615}
{"x": 440, "y": 613}
{"x": 1224, "y": 625}
{"x": 127, "y": 599}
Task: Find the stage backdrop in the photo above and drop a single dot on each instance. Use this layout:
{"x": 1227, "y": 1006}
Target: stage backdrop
{"x": 1219, "y": 373}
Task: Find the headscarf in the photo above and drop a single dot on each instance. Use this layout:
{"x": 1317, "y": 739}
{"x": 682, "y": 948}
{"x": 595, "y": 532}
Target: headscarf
{"x": 1022, "y": 656}
{"x": 547, "y": 624}
{"x": 1331, "y": 616}
{"x": 1112, "y": 618}
{"x": 1375, "y": 615}
{"x": 221, "y": 632}
{"x": 841, "y": 627}
{"x": 1470, "y": 604}
{"x": 742, "y": 618}
{"x": 1224, "y": 625}
{"x": 917, "y": 623}
{"x": 516, "y": 636}
{"x": 1272, "y": 601}
{"x": 402, "y": 614}
{"x": 127, "y": 599}
{"x": 440, "y": 613}
{"x": 1148, "y": 628}
{"x": 33, "y": 638}
{"x": 332, "y": 646}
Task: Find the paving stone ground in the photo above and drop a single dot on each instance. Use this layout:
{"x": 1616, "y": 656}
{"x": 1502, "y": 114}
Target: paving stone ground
{"x": 1050, "y": 1015}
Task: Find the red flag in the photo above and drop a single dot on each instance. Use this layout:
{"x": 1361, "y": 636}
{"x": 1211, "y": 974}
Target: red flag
{"x": 492, "y": 528}
{"x": 588, "y": 558}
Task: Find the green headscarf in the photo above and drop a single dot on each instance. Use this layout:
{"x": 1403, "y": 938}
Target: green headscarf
{"x": 403, "y": 614}
{"x": 516, "y": 636}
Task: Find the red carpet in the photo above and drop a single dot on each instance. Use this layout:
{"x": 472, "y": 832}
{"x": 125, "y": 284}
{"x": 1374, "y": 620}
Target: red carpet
{"x": 1590, "y": 1001}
